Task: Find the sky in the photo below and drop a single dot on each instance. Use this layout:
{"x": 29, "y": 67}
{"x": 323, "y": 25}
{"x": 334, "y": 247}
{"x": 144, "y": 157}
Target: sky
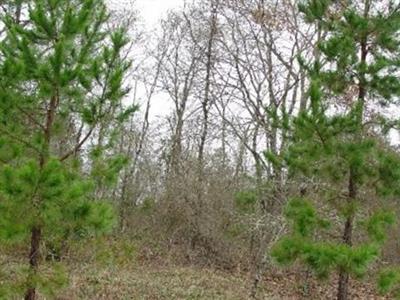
{"x": 152, "y": 10}
{"x": 149, "y": 13}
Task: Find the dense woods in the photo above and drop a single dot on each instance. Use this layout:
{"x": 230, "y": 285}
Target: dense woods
{"x": 243, "y": 149}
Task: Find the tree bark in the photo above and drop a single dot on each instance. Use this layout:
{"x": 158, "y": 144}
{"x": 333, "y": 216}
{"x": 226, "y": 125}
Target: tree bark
{"x": 352, "y": 188}
{"x": 36, "y": 232}
{"x": 36, "y": 235}
{"x": 347, "y": 239}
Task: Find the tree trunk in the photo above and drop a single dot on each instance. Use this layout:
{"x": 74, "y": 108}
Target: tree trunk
{"x": 34, "y": 255}
{"x": 347, "y": 237}
{"x": 348, "y": 229}
{"x": 343, "y": 275}
{"x": 343, "y": 286}
{"x": 36, "y": 233}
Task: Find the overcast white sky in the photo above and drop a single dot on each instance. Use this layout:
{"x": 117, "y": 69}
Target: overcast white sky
{"x": 152, "y": 10}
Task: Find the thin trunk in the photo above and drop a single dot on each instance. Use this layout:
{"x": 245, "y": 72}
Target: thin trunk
{"x": 206, "y": 101}
{"x": 36, "y": 232}
{"x": 239, "y": 169}
{"x": 259, "y": 172}
{"x": 223, "y": 138}
{"x": 258, "y": 238}
{"x": 34, "y": 254}
{"x": 205, "y": 105}
{"x": 176, "y": 151}
{"x": 18, "y": 11}
{"x": 347, "y": 238}
{"x": 303, "y": 93}
{"x": 352, "y": 187}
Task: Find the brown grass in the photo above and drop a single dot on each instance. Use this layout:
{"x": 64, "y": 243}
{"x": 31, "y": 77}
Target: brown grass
{"x": 163, "y": 283}
{"x": 118, "y": 269}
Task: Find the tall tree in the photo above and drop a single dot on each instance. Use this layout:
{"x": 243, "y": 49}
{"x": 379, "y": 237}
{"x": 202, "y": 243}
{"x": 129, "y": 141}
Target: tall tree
{"x": 338, "y": 145}
{"x": 60, "y": 70}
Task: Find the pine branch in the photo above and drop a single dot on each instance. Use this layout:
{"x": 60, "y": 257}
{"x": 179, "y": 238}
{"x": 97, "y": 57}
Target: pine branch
{"x": 21, "y": 140}
{"x": 78, "y": 146}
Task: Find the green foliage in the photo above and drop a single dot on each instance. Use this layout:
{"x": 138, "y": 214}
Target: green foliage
{"x": 105, "y": 170}
{"x": 378, "y": 224}
{"x": 389, "y": 281}
{"x": 246, "y": 200}
{"x": 315, "y": 9}
{"x": 325, "y": 257}
{"x": 52, "y": 280}
{"x": 62, "y": 73}
{"x": 359, "y": 50}
{"x": 304, "y": 217}
{"x": 288, "y": 250}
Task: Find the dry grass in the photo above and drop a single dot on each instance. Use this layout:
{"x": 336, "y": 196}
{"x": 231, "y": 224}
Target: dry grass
{"x": 186, "y": 283}
{"x": 118, "y": 269}
{"x": 146, "y": 283}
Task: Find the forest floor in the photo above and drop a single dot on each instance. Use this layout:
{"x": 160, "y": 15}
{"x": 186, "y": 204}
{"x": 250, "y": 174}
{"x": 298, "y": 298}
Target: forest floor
{"x": 120, "y": 271}
{"x": 193, "y": 283}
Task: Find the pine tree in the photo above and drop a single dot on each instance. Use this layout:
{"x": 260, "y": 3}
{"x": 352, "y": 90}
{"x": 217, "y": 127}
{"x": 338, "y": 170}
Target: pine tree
{"x": 61, "y": 74}
{"x": 335, "y": 141}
